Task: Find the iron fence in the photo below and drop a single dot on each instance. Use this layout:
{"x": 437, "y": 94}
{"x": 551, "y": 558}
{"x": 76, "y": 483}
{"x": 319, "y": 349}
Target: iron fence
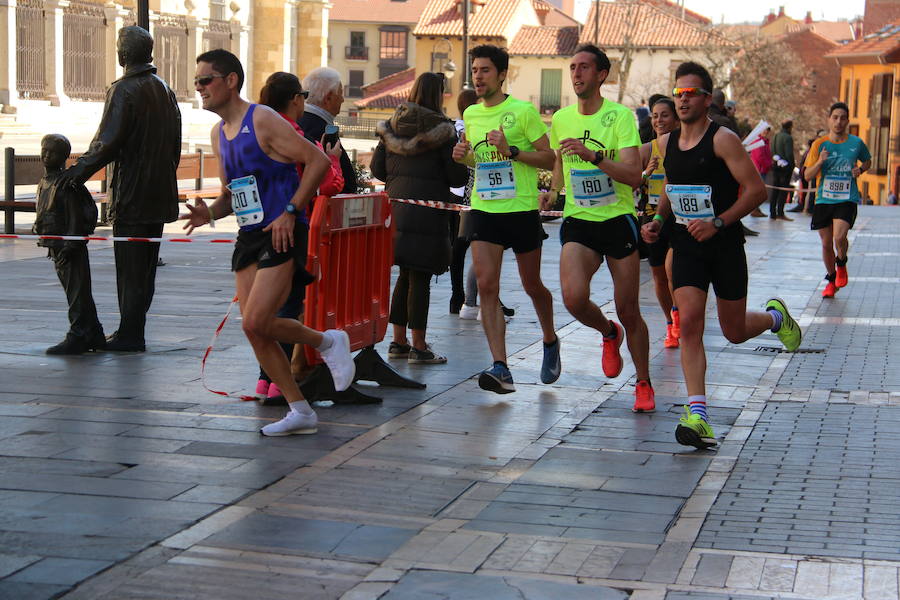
{"x": 84, "y": 51}
{"x": 30, "y": 79}
{"x": 171, "y": 54}
{"x": 357, "y": 127}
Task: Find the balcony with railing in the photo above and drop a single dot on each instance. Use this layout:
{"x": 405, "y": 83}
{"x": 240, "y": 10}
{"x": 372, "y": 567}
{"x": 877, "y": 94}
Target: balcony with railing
{"x": 356, "y": 52}
{"x": 548, "y": 106}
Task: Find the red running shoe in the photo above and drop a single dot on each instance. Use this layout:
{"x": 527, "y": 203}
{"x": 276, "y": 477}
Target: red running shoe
{"x": 612, "y": 358}
{"x": 676, "y": 323}
{"x": 671, "y": 340}
{"x": 830, "y": 290}
{"x": 840, "y": 277}
{"x": 644, "y": 398}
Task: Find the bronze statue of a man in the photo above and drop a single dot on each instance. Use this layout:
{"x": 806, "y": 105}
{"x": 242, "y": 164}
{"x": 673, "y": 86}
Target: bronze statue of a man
{"x": 140, "y": 134}
{"x": 68, "y": 210}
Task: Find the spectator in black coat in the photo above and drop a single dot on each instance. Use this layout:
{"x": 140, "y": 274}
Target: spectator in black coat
{"x": 326, "y": 94}
{"x": 414, "y": 160}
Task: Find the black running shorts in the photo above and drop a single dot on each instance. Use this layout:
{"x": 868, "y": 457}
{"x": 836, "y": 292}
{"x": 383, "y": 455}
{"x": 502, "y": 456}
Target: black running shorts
{"x": 721, "y": 262}
{"x": 521, "y": 231}
{"x": 824, "y": 214}
{"x": 255, "y": 247}
{"x": 615, "y": 238}
{"x": 658, "y": 249}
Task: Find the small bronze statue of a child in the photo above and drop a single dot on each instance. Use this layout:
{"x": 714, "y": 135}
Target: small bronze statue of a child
{"x": 69, "y": 210}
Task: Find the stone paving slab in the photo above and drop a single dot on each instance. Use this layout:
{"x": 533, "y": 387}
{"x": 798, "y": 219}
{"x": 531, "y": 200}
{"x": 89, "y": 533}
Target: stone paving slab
{"x": 558, "y": 487}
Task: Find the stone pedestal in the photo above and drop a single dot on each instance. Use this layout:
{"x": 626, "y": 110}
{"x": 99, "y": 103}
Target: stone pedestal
{"x": 8, "y": 92}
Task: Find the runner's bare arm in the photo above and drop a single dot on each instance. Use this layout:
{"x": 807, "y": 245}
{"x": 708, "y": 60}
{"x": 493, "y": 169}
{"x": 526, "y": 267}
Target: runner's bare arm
{"x": 812, "y": 170}
{"x": 862, "y": 168}
{"x": 627, "y": 169}
{"x": 548, "y": 198}
{"x": 727, "y": 146}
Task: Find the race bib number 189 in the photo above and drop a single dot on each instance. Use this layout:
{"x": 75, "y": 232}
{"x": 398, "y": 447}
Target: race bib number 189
{"x": 495, "y": 180}
{"x": 245, "y": 201}
{"x": 690, "y": 202}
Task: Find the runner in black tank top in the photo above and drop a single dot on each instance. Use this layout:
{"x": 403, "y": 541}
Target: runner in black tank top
{"x": 700, "y": 166}
{"x": 706, "y": 166}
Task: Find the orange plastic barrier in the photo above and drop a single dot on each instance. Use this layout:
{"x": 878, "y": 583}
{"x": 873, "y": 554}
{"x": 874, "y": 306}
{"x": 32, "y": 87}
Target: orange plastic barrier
{"x": 350, "y": 255}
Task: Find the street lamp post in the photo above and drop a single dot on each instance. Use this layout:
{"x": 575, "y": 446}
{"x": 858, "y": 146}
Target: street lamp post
{"x": 143, "y": 14}
{"x": 467, "y": 82}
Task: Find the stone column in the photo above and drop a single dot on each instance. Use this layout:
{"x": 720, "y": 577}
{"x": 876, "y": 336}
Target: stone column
{"x": 194, "y": 49}
{"x": 312, "y": 35}
{"x": 115, "y": 20}
{"x": 8, "y": 92}
{"x": 53, "y": 50}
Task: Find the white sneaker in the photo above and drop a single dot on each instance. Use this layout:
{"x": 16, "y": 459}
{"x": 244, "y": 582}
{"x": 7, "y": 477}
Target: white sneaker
{"x": 469, "y": 313}
{"x": 293, "y": 423}
{"x": 339, "y": 360}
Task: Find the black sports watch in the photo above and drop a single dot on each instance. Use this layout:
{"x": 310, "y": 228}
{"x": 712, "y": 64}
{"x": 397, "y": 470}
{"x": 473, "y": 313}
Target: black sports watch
{"x": 718, "y": 223}
{"x": 514, "y": 152}
{"x": 291, "y": 209}
{"x": 598, "y": 158}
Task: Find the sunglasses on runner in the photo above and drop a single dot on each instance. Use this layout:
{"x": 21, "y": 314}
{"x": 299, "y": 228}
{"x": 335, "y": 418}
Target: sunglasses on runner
{"x": 206, "y": 79}
{"x": 692, "y": 92}
{"x": 304, "y": 93}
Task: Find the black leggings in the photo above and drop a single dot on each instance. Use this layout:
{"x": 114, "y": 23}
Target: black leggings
{"x": 412, "y": 295}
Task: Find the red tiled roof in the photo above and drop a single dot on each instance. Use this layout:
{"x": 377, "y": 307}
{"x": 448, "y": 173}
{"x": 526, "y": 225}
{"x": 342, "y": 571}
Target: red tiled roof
{"x": 883, "y": 42}
{"x": 388, "y": 92}
{"x": 442, "y": 17}
{"x": 377, "y": 11}
{"x": 560, "y": 19}
{"x": 649, "y": 25}
{"x": 545, "y": 41}
{"x": 836, "y": 31}
{"x": 675, "y": 9}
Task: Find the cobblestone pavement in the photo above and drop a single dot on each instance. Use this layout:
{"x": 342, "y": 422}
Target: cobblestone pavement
{"x": 121, "y": 477}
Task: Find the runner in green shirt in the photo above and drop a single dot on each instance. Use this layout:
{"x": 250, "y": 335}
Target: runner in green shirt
{"x": 596, "y": 143}
{"x": 505, "y": 142}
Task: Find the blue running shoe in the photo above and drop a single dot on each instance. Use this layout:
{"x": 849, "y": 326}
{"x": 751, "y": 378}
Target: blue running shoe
{"x": 497, "y": 379}
{"x": 552, "y": 365}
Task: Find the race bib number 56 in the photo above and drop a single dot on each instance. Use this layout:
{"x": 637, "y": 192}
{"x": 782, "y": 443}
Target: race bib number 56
{"x": 245, "y": 201}
{"x": 690, "y": 202}
{"x": 495, "y": 180}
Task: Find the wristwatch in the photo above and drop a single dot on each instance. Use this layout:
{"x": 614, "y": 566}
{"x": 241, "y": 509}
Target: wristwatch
{"x": 514, "y": 152}
{"x": 718, "y": 223}
{"x": 291, "y": 209}
{"x": 598, "y": 158}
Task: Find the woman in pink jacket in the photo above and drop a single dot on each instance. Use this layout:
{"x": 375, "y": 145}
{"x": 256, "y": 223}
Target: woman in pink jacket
{"x": 762, "y": 160}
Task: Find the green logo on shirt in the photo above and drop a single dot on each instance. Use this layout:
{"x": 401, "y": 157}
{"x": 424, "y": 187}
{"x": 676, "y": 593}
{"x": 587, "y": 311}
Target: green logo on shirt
{"x": 608, "y": 119}
{"x": 508, "y": 120}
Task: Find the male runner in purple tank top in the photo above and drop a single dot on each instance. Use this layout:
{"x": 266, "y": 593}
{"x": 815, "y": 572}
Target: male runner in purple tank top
{"x": 257, "y": 152}
{"x": 705, "y": 167}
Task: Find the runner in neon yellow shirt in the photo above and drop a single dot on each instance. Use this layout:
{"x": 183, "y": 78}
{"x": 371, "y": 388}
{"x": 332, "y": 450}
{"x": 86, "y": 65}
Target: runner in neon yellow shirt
{"x": 596, "y": 144}
{"x": 505, "y": 142}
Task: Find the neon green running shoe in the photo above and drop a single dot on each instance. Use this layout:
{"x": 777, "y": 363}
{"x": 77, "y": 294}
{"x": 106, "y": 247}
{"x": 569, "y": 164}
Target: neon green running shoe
{"x": 789, "y": 333}
{"x": 693, "y": 431}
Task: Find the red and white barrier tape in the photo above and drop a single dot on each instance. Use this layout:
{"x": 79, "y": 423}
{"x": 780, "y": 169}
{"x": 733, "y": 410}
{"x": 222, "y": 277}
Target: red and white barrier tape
{"x": 98, "y": 238}
{"x": 212, "y": 342}
{"x": 790, "y": 189}
{"x": 460, "y": 207}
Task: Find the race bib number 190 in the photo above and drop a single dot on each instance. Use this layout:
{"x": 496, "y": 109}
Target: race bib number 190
{"x": 495, "y": 180}
{"x": 245, "y": 201}
{"x": 836, "y": 188}
{"x": 592, "y": 187}
{"x": 690, "y": 202}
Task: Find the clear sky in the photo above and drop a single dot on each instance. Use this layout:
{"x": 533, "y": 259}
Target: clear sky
{"x": 756, "y": 10}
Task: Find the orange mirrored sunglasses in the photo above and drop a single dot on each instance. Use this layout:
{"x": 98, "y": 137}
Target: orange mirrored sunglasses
{"x": 690, "y": 91}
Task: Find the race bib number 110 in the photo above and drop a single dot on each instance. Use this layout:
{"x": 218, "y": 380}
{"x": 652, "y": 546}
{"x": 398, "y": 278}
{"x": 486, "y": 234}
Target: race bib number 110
{"x": 245, "y": 201}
